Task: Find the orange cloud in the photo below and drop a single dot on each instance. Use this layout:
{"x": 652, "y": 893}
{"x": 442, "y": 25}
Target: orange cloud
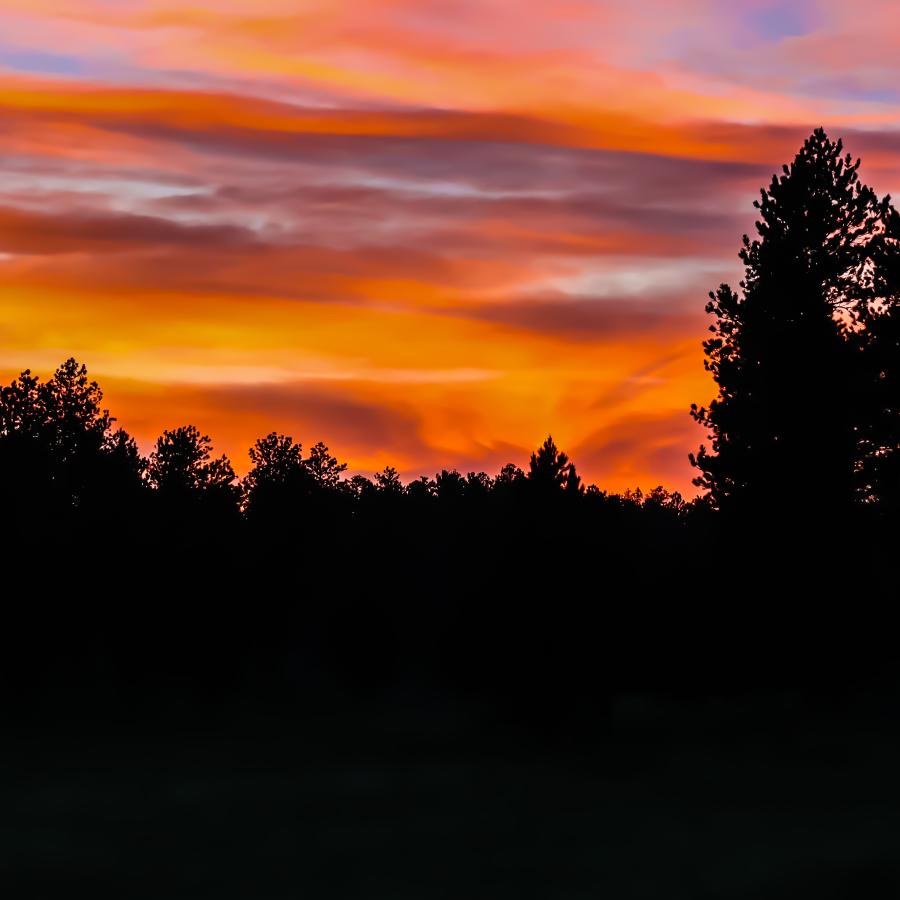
{"x": 235, "y": 123}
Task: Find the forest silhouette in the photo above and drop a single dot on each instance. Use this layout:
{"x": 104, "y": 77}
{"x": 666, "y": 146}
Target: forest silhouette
{"x": 145, "y": 578}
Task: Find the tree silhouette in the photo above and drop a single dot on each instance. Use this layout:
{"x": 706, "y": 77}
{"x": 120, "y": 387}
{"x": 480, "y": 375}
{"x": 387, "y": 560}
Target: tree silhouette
{"x": 27, "y": 489}
{"x": 478, "y": 486}
{"x": 182, "y": 462}
{"x": 879, "y": 468}
{"x": 197, "y": 492}
{"x": 282, "y": 489}
{"x": 276, "y": 459}
{"x": 59, "y": 452}
{"x": 509, "y": 475}
{"x": 361, "y": 488}
{"x": 550, "y": 471}
{"x": 278, "y": 483}
{"x": 783, "y": 352}
{"x": 324, "y": 468}
{"x": 572, "y": 485}
{"x": 388, "y": 482}
{"x": 450, "y": 487}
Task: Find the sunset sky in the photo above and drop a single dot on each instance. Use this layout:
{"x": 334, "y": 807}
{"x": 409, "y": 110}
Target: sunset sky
{"x": 427, "y": 232}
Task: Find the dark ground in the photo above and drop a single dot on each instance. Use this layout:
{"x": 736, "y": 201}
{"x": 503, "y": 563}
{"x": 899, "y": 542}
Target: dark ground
{"x": 775, "y": 796}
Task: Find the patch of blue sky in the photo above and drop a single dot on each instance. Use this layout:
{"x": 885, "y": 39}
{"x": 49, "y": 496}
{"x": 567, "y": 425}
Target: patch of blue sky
{"x": 112, "y": 66}
{"x": 735, "y": 28}
{"x": 851, "y": 89}
{"x": 40, "y": 62}
{"x": 780, "y": 19}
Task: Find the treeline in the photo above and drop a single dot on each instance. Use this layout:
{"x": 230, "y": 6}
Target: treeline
{"x": 133, "y": 580}
{"x": 62, "y": 461}
{"x": 134, "y": 572}
{"x": 806, "y": 359}
{"x": 525, "y": 589}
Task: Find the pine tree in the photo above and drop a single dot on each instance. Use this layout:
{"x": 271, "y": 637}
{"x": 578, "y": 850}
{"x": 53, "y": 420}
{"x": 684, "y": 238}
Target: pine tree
{"x": 549, "y": 468}
{"x": 278, "y": 482}
{"x": 195, "y": 492}
{"x": 325, "y": 468}
{"x": 182, "y": 463}
{"x": 784, "y": 352}
{"x": 388, "y": 482}
{"x": 59, "y": 452}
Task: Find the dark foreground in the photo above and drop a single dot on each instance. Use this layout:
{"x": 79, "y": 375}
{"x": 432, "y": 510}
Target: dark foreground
{"x": 253, "y": 732}
{"x": 775, "y": 796}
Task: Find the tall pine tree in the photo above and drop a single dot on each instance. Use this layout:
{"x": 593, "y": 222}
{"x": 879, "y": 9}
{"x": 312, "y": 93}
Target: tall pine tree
{"x": 785, "y": 352}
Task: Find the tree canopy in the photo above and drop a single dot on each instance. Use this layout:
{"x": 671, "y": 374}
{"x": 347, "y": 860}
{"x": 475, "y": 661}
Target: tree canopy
{"x": 789, "y": 352}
